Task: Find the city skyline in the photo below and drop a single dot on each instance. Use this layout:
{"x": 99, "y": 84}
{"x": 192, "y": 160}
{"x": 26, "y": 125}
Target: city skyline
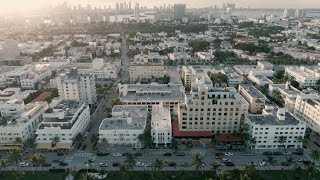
{"x": 21, "y": 6}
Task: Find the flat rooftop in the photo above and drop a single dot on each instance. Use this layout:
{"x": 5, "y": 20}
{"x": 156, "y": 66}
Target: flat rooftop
{"x": 126, "y": 117}
{"x": 254, "y": 92}
{"x": 69, "y": 108}
{"x": 152, "y": 92}
{"x": 272, "y": 119}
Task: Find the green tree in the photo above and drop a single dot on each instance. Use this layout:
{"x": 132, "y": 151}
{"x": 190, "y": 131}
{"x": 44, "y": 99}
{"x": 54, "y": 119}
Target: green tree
{"x": 159, "y": 165}
{"x": 131, "y": 161}
{"x": 18, "y": 141}
{"x": 174, "y": 144}
{"x": 295, "y": 84}
{"x": 197, "y": 161}
{"x": 3, "y": 164}
{"x": 115, "y": 101}
{"x": 54, "y": 141}
{"x": 282, "y": 140}
{"x": 315, "y": 155}
{"x": 31, "y": 143}
{"x": 15, "y": 157}
{"x": 215, "y": 166}
{"x": 271, "y": 161}
{"x": 104, "y": 142}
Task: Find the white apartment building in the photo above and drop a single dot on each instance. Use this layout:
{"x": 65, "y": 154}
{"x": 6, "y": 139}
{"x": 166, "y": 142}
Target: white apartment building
{"x": 207, "y": 108}
{"x": 35, "y": 74}
{"x": 265, "y": 65}
{"x": 146, "y": 67}
{"x": 301, "y": 75}
{"x": 152, "y": 94}
{"x": 77, "y": 86}
{"x": 268, "y": 128}
{"x": 307, "y": 108}
{"x": 19, "y": 121}
{"x": 125, "y": 125}
{"x": 161, "y": 130}
{"x": 254, "y": 97}
{"x": 233, "y": 78}
{"x": 65, "y": 120}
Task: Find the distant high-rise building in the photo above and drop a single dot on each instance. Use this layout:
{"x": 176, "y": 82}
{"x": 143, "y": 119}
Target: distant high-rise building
{"x": 287, "y": 13}
{"x": 300, "y": 13}
{"x": 130, "y": 5}
{"x": 117, "y": 6}
{"x": 121, "y": 6}
{"x": 136, "y": 13}
{"x": 179, "y": 11}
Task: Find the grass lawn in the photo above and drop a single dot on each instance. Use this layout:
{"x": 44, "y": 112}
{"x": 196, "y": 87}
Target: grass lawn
{"x": 31, "y": 176}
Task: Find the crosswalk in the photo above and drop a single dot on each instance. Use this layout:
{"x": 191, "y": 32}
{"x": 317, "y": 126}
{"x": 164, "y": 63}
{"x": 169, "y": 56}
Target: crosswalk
{"x": 68, "y": 159}
{"x": 83, "y": 154}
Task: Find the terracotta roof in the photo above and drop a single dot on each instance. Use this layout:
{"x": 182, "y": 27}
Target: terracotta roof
{"x": 187, "y": 134}
{"x": 42, "y": 97}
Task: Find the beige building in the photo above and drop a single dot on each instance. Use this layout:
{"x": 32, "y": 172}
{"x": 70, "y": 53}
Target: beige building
{"x": 207, "y": 108}
{"x": 308, "y": 109}
{"x": 146, "y": 68}
{"x": 188, "y": 74}
{"x": 254, "y": 97}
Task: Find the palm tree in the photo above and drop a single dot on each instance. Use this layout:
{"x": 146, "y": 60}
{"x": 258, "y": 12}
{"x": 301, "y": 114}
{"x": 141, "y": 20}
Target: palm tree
{"x": 104, "y": 142}
{"x": 315, "y": 155}
{"x": 18, "y": 141}
{"x": 38, "y": 159}
{"x": 130, "y": 161}
{"x": 31, "y": 143}
{"x": 252, "y": 142}
{"x": 174, "y": 144}
{"x": 215, "y": 165}
{"x": 90, "y": 163}
{"x": 19, "y": 175}
{"x": 302, "y": 140}
{"x": 271, "y": 161}
{"x": 69, "y": 173}
{"x": 197, "y": 161}
{"x": 15, "y": 157}
{"x": 86, "y": 176}
{"x": 54, "y": 141}
{"x": 123, "y": 170}
{"x": 3, "y": 164}
{"x": 282, "y": 140}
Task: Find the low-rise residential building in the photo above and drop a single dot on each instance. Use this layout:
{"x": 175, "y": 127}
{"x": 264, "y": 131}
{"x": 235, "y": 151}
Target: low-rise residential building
{"x": 276, "y": 130}
{"x": 188, "y": 74}
{"x": 259, "y": 80}
{"x": 254, "y": 97}
{"x": 77, "y": 86}
{"x": 161, "y": 130}
{"x": 152, "y": 94}
{"x": 125, "y": 125}
{"x": 19, "y": 121}
{"x": 301, "y": 75}
{"x": 63, "y": 121}
{"x": 146, "y": 67}
{"x": 10, "y": 94}
{"x": 208, "y": 108}
{"x": 265, "y": 65}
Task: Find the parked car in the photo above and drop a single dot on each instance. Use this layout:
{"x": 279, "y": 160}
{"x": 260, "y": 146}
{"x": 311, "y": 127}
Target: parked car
{"x": 167, "y": 154}
{"x": 285, "y": 164}
{"x": 277, "y": 153}
{"x": 24, "y": 164}
{"x": 306, "y": 163}
{"x": 125, "y": 154}
{"x": 252, "y": 163}
{"x": 298, "y": 153}
{"x": 267, "y": 153}
{"x": 62, "y": 163}
{"x": 184, "y": 164}
{"x": 115, "y": 164}
{"x": 172, "y": 164}
{"x": 117, "y": 154}
{"x": 180, "y": 154}
{"x": 287, "y": 153}
{"x": 60, "y": 154}
{"x": 248, "y": 154}
{"x": 228, "y": 154}
{"x": 138, "y": 154}
{"x": 103, "y": 164}
{"x": 46, "y": 165}
{"x": 263, "y": 163}
{"x": 229, "y": 164}
{"x": 140, "y": 164}
{"x": 150, "y": 164}
{"x": 300, "y": 160}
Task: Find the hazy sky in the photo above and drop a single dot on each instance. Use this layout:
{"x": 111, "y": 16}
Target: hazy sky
{"x": 22, "y": 5}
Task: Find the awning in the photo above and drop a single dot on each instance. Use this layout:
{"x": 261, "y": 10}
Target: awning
{"x": 10, "y": 147}
{"x": 58, "y": 146}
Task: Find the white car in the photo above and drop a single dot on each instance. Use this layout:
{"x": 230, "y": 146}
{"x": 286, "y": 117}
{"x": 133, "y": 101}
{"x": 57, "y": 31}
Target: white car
{"x": 117, "y": 154}
{"x": 263, "y": 163}
{"x": 103, "y": 164}
{"x": 287, "y": 153}
{"x": 228, "y": 154}
{"x": 24, "y": 164}
{"x": 140, "y": 164}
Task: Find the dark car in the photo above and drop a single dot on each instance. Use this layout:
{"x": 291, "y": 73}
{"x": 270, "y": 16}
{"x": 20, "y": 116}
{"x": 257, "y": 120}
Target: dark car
{"x": 180, "y": 154}
{"x": 306, "y": 162}
{"x": 115, "y": 164}
{"x": 172, "y": 164}
{"x": 229, "y": 164}
{"x": 63, "y": 163}
{"x": 298, "y": 153}
{"x": 126, "y": 154}
{"x": 277, "y": 153}
{"x": 219, "y": 155}
{"x": 167, "y": 154}
{"x": 267, "y": 153}
{"x": 137, "y": 154}
{"x": 84, "y": 147}
{"x": 46, "y": 165}
{"x": 60, "y": 154}
{"x": 285, "y": 164}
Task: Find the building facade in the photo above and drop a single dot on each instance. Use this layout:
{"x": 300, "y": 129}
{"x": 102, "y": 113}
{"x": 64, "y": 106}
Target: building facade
{"x": 254, "y": 97}
{"x": 161, "y": 130}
